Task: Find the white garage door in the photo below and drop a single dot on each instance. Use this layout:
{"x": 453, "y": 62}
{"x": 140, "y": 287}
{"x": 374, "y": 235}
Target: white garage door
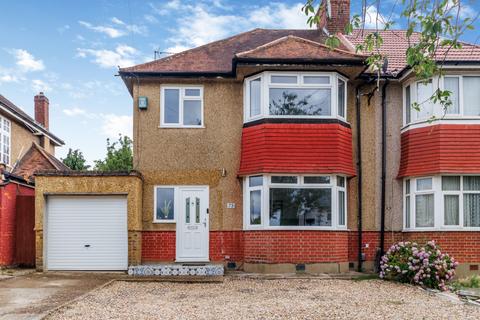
{"x": 86, "y": 233}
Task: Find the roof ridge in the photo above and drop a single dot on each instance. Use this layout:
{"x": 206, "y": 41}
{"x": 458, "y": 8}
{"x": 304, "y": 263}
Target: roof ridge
{"x": 287, "y": 37}
{"x": 190, "y": 50}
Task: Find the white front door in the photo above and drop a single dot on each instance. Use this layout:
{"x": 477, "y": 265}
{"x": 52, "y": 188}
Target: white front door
{"x": 192, "y": 225}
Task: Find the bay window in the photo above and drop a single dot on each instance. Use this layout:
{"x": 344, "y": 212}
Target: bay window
{"x": 295, "y": 202}
{"x": 464, "y": 99}
{"x": 294, "y": 95}
{"x": 442, "y": 202}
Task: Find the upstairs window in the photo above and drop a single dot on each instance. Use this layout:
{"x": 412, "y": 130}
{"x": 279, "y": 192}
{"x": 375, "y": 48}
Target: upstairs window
{"x": 5, "y": 131}
{"x": 294, "y": 95}
{"x": 464, "y": 99}
{"x": 181, "y": 106}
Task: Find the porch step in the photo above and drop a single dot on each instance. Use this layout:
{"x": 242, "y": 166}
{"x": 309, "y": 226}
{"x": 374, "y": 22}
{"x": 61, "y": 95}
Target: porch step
{"x": 177, "y": 270}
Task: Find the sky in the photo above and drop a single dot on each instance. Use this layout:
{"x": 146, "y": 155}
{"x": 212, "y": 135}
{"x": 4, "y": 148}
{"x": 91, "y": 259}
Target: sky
{"x": 71, "y": 50}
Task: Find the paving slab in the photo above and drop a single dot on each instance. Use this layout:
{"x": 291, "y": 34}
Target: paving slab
{"x": 33, "y": 295}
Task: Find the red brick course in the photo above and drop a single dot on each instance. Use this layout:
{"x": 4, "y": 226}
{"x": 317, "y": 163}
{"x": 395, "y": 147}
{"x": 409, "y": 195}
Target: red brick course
{"x": 306, "y": 246}
{"x": 464, "y": 246}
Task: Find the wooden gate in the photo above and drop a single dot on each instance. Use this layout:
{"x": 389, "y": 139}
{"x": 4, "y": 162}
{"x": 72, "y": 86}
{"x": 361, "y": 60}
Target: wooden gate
{"x": 24, "y": 231}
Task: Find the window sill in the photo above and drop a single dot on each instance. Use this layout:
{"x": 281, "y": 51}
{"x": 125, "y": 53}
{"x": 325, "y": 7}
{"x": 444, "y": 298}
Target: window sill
{"x": 476, "y": 229}
{"x": 164, "y": 221}
{"x": 251, "y": 228}
{"x": 180, "y": 127}
{"x": 443, "y": 120}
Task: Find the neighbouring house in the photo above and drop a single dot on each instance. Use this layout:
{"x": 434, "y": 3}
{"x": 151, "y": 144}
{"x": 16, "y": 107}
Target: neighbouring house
{"x": 26, "y": 145}
{"x": 270, "y": 152}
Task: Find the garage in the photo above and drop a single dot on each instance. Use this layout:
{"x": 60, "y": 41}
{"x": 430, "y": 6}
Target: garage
{"x": 86, "y": 233}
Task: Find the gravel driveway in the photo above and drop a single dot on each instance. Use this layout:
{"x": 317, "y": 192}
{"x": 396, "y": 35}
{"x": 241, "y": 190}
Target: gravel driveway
{"x": 264, "y": 299}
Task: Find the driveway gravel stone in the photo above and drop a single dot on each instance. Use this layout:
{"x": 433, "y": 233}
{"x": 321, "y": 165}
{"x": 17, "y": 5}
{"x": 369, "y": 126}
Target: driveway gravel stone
{"x": 264, "y": 299}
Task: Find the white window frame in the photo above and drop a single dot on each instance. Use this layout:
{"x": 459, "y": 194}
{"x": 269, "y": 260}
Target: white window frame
{"x": 266, "y": 84}
{"x": 182, "y": 98}
{"x": 265, "y": 212}
{"x": 177, "y": 200}
{"x": 439, "y": 199}
{"x": 438, "y": 110}
{"x": 5, "y": 133}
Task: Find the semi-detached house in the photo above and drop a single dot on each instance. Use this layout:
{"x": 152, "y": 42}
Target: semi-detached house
{"x": 270, "y": 152}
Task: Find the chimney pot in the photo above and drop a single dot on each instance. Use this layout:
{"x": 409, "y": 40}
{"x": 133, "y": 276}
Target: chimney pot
{"x": 41, "y": 104}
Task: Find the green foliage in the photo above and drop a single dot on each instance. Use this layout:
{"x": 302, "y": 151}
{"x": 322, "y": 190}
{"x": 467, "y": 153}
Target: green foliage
{"x": 119, "y": 156}
{"x": 470, "y": 282}
{"x": 425, "y": 265}
{"x": 75, "y": 160}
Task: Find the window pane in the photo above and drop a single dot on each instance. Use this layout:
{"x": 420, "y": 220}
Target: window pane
{"x": 340, "y": 181}
{"x": 424, "y": 184}
{"x": 450, "y": 183}
{"x": 300, "y": 207}
{"x": 319, "y": 180}
{"x": 471, "y": 183}
{"x": 296, "y": 101}
{"x": 172, "y": 105}
{"x": 408, "y": 105}
{"x": 255, "y": 207}
{"x": 284, "y": 179}
{"x": 471, "y": 210}
{"x": 192, "y": 112}
{"x": 424, "y": 210}
{"x": 424, "y": 93}
{"x": 451, "y": 210}
{"x": 407, "y": 212}
{"x": 407, "y": 186}
{"x": 255, "y": 102}
{"x": 452, "y": 85}
{"x": 192, "y": 92}
{"x": 197, "y": 210}
{"x": 284, "y": 79}
{"x": 255, "y": 181}
{"x": 341, "y": 98}
{"x": 165, "y": 203}
{"x": 471, "y": 96}
{"x": 187, "y": 210}
{"x": 316, "y": 79}
{"x": 341, "y": 208}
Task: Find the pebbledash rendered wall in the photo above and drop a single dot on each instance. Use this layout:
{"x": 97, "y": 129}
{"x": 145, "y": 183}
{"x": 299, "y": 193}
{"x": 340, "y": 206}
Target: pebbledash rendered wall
{"x": 162, "y": 156}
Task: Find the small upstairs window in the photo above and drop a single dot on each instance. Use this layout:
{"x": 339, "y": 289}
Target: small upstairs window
{"x": 295, "y": 95}
{"x": 181, "y": 107}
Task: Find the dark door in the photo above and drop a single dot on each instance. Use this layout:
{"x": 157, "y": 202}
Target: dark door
{"x": 24, "y": 231}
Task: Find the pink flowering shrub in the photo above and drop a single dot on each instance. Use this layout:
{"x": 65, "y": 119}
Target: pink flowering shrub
{"x": 425, "y": 266}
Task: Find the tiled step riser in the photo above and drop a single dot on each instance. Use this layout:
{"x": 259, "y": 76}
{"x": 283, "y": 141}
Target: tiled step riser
{"x": 173, "y": 270}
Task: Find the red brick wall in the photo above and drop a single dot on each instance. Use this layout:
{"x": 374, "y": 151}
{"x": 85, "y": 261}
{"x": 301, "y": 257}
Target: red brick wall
{"x": 464, "y": 246}
{"x": 296, "y": 246}
{"x": 8, "y": 198}
{"x": 160, "y": 246}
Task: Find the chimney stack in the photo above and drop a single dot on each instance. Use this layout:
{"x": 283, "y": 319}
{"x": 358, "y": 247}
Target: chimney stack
{"x": 334, "y": 16}
{"x": 41, "y": 109}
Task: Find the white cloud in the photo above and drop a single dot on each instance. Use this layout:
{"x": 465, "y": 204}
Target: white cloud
{"x": 374, "y": 19}
{"x": 279, "y": 15}
{"x": 150, "y": 18}
{"x": 26, "y": 61}
{"x": 63, "y": 28}
{"x": 40, "y": 85}
{"x": 74, "y": 112}
{"x": 203, "y": 25}
{"x": 117, "y": 124}
{"x": 117, "y": 30}
{"x": 117, "y": 21}
{"x": 5, "y": 78}
{"x": 109, "y": 31}
{"x": 123, "y": 56}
